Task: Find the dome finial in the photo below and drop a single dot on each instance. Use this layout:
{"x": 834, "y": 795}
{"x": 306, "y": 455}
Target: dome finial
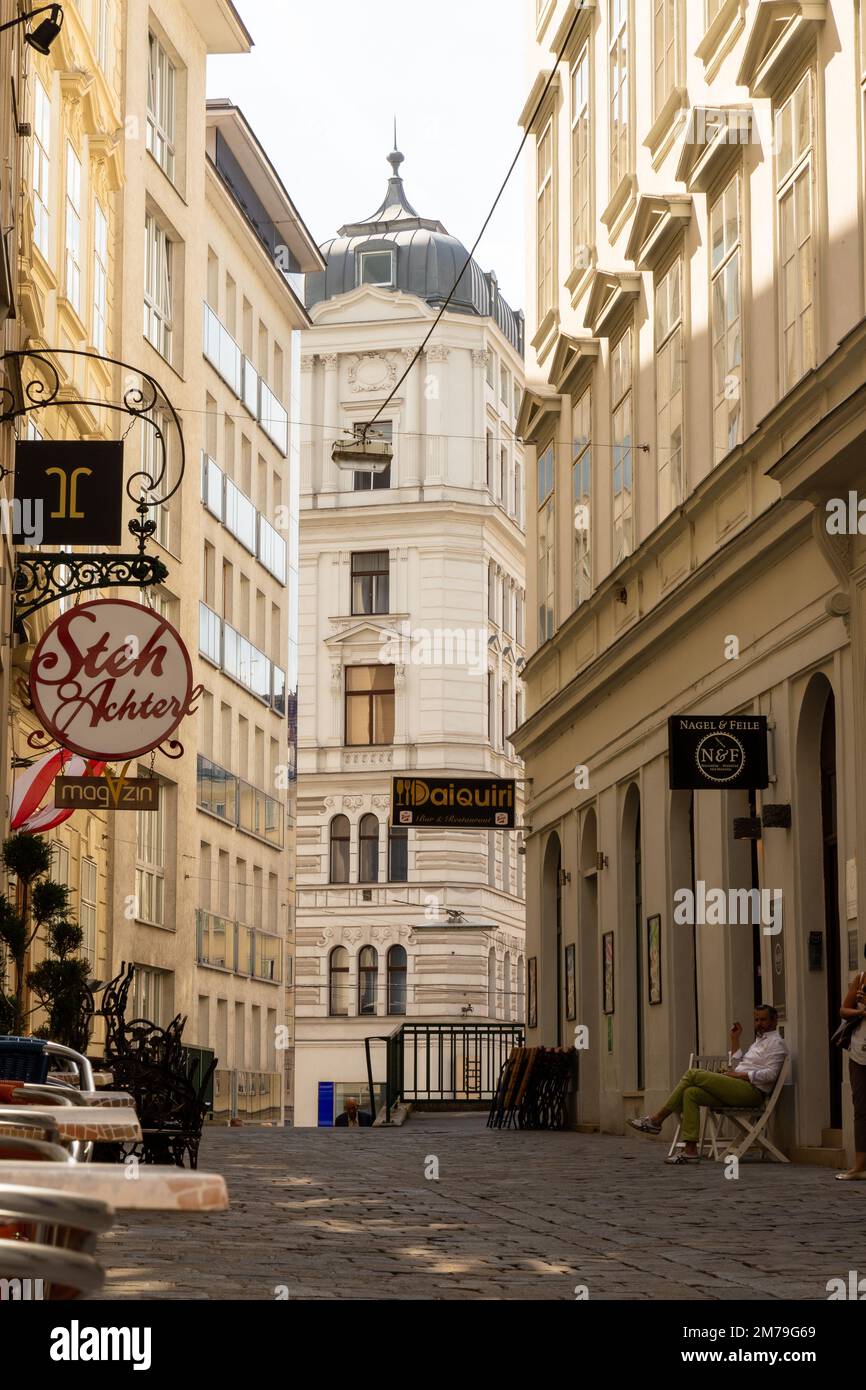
{"x": 395, "y": 158}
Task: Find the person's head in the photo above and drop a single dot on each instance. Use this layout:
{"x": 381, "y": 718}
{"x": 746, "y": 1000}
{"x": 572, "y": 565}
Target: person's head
{"x": 766, "y": 1018}
{"x": 351, "y": 1106}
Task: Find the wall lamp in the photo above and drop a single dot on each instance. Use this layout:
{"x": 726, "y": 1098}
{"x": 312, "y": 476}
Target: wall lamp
{"x": 42, "y": 37}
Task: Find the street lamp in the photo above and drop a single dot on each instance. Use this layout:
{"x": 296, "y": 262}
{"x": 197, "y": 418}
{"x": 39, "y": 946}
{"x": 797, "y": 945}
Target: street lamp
{"x": 42, "y": 37}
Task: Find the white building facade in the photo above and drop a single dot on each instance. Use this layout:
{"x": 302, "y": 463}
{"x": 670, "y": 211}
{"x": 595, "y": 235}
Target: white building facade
{"x": 411, "y": 645}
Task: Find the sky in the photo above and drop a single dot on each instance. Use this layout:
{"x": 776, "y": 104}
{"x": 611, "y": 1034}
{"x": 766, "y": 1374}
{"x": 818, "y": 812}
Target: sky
{"x": 325, "y": 80}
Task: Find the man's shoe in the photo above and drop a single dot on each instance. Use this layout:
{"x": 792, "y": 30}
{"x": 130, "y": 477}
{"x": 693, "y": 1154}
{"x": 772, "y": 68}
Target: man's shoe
{"x": 680, "y": 1158}
{"x": 645, "y": 1125}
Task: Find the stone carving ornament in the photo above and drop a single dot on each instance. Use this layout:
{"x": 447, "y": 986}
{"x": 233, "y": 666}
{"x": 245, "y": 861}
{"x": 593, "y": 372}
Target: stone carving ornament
{"x": 372, "y": 371}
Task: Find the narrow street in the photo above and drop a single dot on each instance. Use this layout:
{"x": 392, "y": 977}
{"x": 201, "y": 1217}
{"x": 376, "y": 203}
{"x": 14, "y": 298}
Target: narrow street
{"x": 332, "y": 1214}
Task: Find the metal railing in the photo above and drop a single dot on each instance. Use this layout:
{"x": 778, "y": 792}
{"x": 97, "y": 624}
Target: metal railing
{"x": 443, "y": 1063}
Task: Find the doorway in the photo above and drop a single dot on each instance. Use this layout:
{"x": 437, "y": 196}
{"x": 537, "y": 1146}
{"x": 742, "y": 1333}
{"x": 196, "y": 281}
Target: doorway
{"x": 830, "y": 858}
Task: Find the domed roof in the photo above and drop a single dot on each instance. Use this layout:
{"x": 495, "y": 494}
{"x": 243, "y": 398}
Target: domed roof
{"x": 425, "y": 261}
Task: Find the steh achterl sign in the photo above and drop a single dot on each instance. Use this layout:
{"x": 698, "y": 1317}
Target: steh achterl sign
{"x": 111, "y": 680}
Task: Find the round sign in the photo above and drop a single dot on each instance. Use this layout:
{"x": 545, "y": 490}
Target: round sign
{"x": 111, "y": 679}
{"x": 720, "y": 756}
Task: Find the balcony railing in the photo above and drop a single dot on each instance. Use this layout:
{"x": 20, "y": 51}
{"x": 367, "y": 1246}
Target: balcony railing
{"x": 237, "y": 371}
{"x": 233, "y": 508}
{"x": 223, "y": 794}
{"x": 223, "y": 944}
{"x": 237, "y": 657}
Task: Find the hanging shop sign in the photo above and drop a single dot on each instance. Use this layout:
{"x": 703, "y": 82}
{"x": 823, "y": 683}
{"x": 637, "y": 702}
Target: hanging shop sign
{"x": 717, "y": 751}
{"x": 111, "y": 679}
{"x": 468, "y": 802}
{"x": 68, "y": 492}
{"x": 107, "y": 793}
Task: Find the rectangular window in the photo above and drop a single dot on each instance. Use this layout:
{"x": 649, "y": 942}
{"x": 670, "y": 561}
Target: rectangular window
{"x": 370, "y": 582}
{"x": 725, "y": 291}
{"x": 150, "y": 864}
{"x": 619, "y": 59}
{"x": 376, "y": 268}
{"x": 546, "y": 542}
{"x": 72, "y": 235}
{"x": 581, "y": 161}
{"x": 669, "y": 389}
{"x": 398, "y": 853}
{"x": 490, "y": 370}
{"x": 491, "y": 708}
{"x": 504, "y": 729}
{"x": 59, "y": 863}
{"x": 100, "y": 277}
{"x": 149, "y": 991}
{"x": 518, "y": 494}
{"x": 544, "y": 221}
{"x": 518, "y": 617}
{"x": 581, "y": 493}
{"x": 157, "y": 286}
{"x": 369, "y": 705}
{"x": 621, "y": 435}
{"x": 368, "y": 482}
{"x": 504, "y": 380}
{"x": 161, "y": 85}
{"x": 793, "y": 144}
{"x": 503, "y": 478}
{"x": 665, "y": 50}
{"x": 103, "y": 35}
{"x": 489, "y": 457}
{"x": 41, "y": 167}
{"x": 87, "y": 909}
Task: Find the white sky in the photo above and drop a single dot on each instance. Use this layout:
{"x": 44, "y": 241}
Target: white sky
{"x": 326, "y": 78}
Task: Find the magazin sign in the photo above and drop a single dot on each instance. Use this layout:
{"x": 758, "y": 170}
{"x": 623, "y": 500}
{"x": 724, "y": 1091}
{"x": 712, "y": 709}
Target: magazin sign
{"x": 709, "y": 750}
{"x": 470, "y": 802}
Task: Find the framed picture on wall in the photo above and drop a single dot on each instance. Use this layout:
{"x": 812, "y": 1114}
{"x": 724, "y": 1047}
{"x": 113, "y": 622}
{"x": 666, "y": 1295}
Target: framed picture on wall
{"x": 570, "y": 984}
{"x": 654, "y": 957}
{"x": 532, "y": 991}
{"x": 607, "y": 962}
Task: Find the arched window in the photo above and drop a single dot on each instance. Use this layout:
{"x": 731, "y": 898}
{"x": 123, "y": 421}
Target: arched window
{"x": 398, "y": 853}
{"x": 368, "y": 847}
{"x": 491, "y": 982}
{"x": 340, "y": 839}
{"x": 338, "y": 981}
{"x": 506, "y": 982}
{"x": 368, "y": 978}
{"x": 397, "y": 980}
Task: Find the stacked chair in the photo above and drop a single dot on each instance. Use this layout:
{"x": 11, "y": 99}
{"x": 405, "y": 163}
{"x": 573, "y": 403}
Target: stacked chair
{"x": 47, "y": 1239}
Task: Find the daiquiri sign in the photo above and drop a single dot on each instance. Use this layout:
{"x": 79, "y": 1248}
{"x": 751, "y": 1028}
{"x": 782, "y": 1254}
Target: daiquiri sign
{"x": 467, "y": 802}
{"x": 111, "y": 680}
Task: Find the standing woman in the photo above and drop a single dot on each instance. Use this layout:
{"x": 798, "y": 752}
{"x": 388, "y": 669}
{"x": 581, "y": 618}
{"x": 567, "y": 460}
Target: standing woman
{"x": 854, "y": 1006}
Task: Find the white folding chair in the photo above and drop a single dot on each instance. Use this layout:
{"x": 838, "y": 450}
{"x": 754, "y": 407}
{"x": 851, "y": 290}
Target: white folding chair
{"x": 700, "y": 1062}
{"x": 751, "y": 1120}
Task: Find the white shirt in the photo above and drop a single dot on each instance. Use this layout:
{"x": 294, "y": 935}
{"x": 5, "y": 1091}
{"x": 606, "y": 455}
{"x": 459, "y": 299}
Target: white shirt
{"x": 763, "y": 1061}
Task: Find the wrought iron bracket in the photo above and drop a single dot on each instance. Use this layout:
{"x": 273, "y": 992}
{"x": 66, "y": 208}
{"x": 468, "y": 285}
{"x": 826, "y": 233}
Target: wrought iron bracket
{"x": 42, "y": 578}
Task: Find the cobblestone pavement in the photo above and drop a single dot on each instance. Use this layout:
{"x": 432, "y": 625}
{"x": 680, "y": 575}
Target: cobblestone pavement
{"x": 349, "y": 1214}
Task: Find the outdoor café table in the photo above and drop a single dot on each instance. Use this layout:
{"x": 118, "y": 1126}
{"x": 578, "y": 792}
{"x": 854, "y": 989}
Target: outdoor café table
{"x": 94, "y": 1123}
{"x": 125, "y": 1187}
{"x": 38, "y": 1094}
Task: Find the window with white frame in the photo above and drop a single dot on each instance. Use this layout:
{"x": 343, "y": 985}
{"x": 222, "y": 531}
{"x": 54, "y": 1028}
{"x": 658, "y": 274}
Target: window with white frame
{"x": 518, "y": 494}
{"x": 794, "y": 173}
{"x": 72, "y": 225}
{"x": 503, "y": 478}
{"x": 504, "y": 381}
{"x": 518, "y": 617}
{"x": 727, "y": 328}
{"x": 619, "y": 95}
{"x": 87, "y": 909}
{"x": 100, "y": 277}
{"x": 150, "y": 994}
{"x": 490, "y": 369}
{"x": 102, "y": 38}
{"x": 59, "y": 870}
{"x": 666, "y": 41}
{"x": 621, "y": 436}
{"x": 581, "y": 160}
{"x": 157, "y": 286}
{"x": 41, "y": 167}
{"x": 376, "y": 268}
{"x": 669, "y": 388}
{"x": 581, "y": 495}
{"x": 161, "y": 112}
{"x": 150, "y": 863}
{"x": 546, "y": 542}
{"x": 544, "y": 221}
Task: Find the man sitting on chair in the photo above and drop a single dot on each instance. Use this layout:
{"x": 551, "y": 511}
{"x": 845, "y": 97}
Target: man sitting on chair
{"x": 748, "y": 1081}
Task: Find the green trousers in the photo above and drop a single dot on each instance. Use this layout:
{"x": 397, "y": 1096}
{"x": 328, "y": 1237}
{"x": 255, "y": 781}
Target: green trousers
{"x": 699, "y": 1088}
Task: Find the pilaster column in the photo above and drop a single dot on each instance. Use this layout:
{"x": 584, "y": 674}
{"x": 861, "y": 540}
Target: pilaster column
{"x": 480, "y": 358}
{"x": 408, "y": 463}
{"x": 435, "y": 444}
{"x": 330, "y": 420}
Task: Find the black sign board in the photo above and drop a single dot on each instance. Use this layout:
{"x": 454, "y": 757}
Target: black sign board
{"x": 467, "y": 802}
{"x": 68, "y": 492}
{"x": 717, "y": 751}
{"x": 107, "y": 793}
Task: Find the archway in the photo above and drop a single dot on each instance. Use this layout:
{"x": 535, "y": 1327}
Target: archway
{"x": 682, "y": 952}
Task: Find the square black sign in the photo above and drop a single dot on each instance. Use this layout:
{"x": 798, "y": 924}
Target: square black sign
{"x": 68, "y": 492}
{"x": 715, "y": 751}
